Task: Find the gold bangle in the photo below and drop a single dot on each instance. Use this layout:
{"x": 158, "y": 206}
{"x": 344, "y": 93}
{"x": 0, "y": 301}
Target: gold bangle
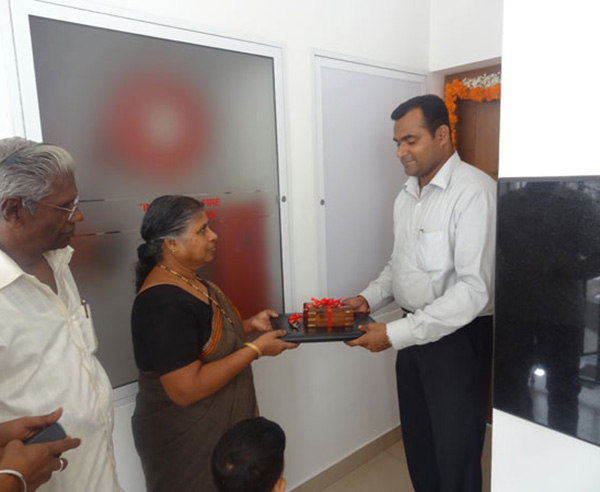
{"x": 255, "y": 348}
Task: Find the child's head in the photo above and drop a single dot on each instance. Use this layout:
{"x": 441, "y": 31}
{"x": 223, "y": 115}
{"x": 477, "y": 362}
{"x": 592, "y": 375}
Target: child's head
{"x": 249, "y": 457}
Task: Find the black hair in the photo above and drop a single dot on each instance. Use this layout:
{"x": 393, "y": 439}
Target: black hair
{"x": 433, "y": 107}
{"x": 249, "y": 456}
{"x": 167, "y": 216}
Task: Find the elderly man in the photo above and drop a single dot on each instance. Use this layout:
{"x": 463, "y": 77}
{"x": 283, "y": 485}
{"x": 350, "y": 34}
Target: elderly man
{"x": 47, "y": 341}
{"x": 441, "y": 273}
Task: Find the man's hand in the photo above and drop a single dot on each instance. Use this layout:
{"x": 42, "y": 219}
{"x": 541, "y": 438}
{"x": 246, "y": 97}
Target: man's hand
{"x": 37, "y": 462}
{"x": 375, "y": 338}
{"x": 358, "y": 303}
{"x": 26, "y": 427}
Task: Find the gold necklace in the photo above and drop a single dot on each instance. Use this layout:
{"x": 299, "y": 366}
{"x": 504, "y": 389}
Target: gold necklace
{"x": 195, "y": 287}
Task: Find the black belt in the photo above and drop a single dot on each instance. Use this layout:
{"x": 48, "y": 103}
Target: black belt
{"x": 483, "y": 316}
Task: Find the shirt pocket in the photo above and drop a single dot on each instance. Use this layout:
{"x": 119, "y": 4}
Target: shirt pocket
{"x": 432, "y": 251}
{"x": 87, "y": 327}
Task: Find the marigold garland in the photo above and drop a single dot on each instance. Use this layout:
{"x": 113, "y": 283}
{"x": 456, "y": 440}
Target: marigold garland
{"x": 457, "y": 89}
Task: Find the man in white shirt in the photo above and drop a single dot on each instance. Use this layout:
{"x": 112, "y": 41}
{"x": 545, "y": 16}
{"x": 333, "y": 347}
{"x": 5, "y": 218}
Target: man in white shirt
{"x": 441, "y": 273}
{"x": 47, "y": 341}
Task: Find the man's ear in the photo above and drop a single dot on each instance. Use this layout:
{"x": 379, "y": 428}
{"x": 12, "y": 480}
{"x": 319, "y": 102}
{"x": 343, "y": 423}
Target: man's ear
{"x": 280, "y": 485}
{"x": 12, "y": 209}
{"x": 443, "y": 134}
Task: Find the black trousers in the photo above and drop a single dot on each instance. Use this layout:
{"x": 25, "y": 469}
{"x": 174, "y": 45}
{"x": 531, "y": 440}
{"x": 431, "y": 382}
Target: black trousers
{"x": 443, "y": 392}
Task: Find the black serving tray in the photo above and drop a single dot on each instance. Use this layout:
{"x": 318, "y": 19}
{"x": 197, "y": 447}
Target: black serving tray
{"x": 300, "y": 335}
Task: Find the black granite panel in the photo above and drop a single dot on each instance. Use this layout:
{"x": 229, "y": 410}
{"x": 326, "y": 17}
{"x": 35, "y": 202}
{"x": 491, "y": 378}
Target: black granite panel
{"x": 546, "y": 366}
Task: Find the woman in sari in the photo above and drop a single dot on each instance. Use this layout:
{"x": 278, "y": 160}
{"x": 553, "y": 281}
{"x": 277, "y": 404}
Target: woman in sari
{"x": 190, "y": 346}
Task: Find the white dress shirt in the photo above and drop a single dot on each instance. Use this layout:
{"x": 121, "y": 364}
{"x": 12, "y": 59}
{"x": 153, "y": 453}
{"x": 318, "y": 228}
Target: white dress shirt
{"x": 442, "y": 264}
{"x": 47, "y": 346}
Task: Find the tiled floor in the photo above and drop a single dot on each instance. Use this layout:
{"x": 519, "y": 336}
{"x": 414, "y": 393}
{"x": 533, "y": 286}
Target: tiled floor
{"x": 387, "y": 472}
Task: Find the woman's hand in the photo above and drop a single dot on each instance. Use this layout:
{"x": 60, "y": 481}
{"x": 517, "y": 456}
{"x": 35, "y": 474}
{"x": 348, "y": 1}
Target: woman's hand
{"x": 271, "y": 344}
{"x": 26, "y": 427}
{"x": 259, "y": 322}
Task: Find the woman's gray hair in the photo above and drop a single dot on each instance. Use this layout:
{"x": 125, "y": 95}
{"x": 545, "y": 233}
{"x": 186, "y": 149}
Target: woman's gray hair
{"x": 167, "y": 217}
{"x": 29, "y": 169}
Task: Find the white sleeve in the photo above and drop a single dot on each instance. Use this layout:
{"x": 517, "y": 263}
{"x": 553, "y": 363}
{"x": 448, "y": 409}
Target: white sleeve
{"x": 473, "y": 291}
{"x": 379, "y": 292}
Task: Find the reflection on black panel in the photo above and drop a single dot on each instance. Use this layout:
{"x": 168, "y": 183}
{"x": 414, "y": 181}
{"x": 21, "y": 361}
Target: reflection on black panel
{"x": 547, "y": 303}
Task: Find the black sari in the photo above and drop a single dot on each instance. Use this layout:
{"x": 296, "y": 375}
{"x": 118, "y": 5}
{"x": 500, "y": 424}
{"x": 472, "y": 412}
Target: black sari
{"x": 175, "y": 443}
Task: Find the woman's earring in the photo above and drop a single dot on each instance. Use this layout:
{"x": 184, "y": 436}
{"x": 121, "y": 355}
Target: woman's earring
{"x": 173, "y": 250}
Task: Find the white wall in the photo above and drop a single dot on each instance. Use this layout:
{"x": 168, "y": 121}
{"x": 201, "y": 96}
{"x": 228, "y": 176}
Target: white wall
{"x": 528, "y": 457}
{"x": 548, "y": 128}
{"x": 544, "y": 70}
{"x": 6, "y": 105}
{"x": 464, "y": 32}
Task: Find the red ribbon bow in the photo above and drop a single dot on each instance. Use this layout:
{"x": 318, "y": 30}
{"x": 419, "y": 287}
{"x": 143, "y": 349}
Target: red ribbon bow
{"x": 329, "y": 302}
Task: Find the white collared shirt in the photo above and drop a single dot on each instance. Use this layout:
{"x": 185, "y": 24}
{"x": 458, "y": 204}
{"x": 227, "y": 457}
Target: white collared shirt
{"x": 47, "y": 346}
{"x": 442, "y": 264}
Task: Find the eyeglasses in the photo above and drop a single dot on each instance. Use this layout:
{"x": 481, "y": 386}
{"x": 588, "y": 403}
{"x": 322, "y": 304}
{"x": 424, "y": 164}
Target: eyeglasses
{"x": 64, "y": 209}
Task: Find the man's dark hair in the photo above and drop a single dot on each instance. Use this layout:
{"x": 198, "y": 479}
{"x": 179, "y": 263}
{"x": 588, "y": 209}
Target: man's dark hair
{"x": 434, "y": 111}
{"x": 249, "y": 456}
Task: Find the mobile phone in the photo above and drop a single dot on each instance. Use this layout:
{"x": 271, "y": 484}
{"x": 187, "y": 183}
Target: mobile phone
{"x": 52, "y": 432}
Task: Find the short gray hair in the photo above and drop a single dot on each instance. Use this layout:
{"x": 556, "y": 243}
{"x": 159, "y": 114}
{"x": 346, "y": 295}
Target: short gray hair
{"x": 29, "y": 169}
